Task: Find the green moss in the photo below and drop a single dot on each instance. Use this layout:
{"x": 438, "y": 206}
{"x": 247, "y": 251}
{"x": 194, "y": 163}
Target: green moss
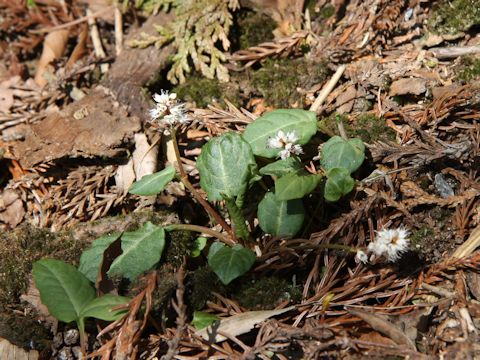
{"x": 367, "y": 127}
{"x": 203, "y": 91}
{"x": 316, "y": 12}
{"x": 178, "y": 245}
{"x": 418, "y": 236}
{"x": 253, "y": 28}
{"x": 370, "y": 128}
{"x": 279, "y": 81}
{"x": 468, "y": 69}
{"x": 21, "y": 247}
{"x": 200, "y": 285}
{"x": 452, "y": 17}
{"x": 266, "y": 293}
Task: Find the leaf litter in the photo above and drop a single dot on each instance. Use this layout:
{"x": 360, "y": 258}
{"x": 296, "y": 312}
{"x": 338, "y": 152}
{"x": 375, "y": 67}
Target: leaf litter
{"x": 64, "y": 145}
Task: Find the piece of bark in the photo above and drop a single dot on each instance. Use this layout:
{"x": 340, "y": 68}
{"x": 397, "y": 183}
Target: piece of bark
{"x": 100, "y": 124}
{"x": 90, "y": 127}
{"x": 134, "y": 68}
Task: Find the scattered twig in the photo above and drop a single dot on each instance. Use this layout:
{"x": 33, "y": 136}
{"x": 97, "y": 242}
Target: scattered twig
{"x": 327, "y": 89}
{"x": 97, "y": 42}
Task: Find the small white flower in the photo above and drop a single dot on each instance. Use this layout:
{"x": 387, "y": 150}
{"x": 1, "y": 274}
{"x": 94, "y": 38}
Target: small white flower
{"x": 361, "y": 257}
{"x": 285, "y": 142}
{"x": 176, "y": 115}
{"x": 390, "y": 243}
{"x": 164, "y": 102}
{"x": 164, "y": 98}
{"x": 290, "y": 149}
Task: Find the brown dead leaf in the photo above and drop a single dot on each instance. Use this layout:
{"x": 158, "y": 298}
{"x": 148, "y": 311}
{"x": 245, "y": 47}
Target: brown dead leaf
{"x": 383, "y": 326}
{"x": 53, "y": 47}
{"x": 6, "y": 98}
{"x": 11, "y": 208}
{"x": 375, "y": 337}
{"x": 145, "y": 156}
{"x": 238, "y": 324}
{"x": 345, "y": 100}
{"x": 405, "y": 86}
{"x": 80, "y": 48}
{"x": 33, "y": 298}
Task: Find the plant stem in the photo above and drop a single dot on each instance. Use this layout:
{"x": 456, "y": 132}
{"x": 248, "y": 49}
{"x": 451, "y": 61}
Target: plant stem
{"x": 184, "y": 178}
{"x": 201, "y": 229}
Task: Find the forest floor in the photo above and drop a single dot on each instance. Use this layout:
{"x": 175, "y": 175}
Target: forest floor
{"x": 76, "y": 86}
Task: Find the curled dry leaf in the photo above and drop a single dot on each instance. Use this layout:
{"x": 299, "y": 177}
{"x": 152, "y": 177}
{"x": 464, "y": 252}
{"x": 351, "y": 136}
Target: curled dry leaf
{"x": 11, "y": 208}
{"x": 53, "y": 47}
{"x": 238, "y": 324}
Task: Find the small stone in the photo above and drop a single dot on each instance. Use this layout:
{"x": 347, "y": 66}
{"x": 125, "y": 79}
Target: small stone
{"x": 57, "y": 341}
{"x": 77, "y": 352}
{"x": 443, "y": 187}
{"x": 65, "y": 354}
{"x": 71, "y": 337}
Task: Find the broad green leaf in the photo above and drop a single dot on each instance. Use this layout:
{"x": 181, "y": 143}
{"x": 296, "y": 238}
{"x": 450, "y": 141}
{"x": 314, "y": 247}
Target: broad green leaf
{"x": 282, "y": 167}
{"x": 302, "y": 122}
{"x": 339, "y": 183}
{"x": 101, "y": 308}
{"x": 340, "y": 153}
{"x": 296, "y": 185}
{"x": 226, "y": 166}
{"x": 202, "y": 319}
{"x": 153, "y": 184}
{"x": 198, "y": 245}
{"x": 230, "y": 262}
{"x": 91, "y": 259}
{"x": 141, "y": 250}
{"x": 63, "y": 289}
{"x": 280, "y": 218}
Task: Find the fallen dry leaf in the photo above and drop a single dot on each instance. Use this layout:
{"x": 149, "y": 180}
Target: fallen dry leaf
{"x": 384, "y": 327}
{"x": 238, "y": 324}
{"x": 406, "y": 86}
{"x": 53, "y": 47}
{"x": 11, "y": 208}
{"x": 6, "y": 98}
{"x": 33, "y": 298}
{"x": 145, "y": 156}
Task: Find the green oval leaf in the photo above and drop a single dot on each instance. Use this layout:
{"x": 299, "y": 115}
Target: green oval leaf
{"x": 230, "y": 263}
{"x": 153, "y": 184}
{"x": 296, "y": 185}
{"x": 141, "y": 250}
{"x": 282, "y": 167}
{"x": 63, "y": 289}
{"x": 101, "y": 307}
{"x": 340, "y": 153}
{"x": 202, "y": 319}
{"x": 226, "y": 166}
{"x": 339, "y": 183}
{"x": 91, "y": 259}
{"x": 280, "y": 218}
{"x": 303, "y": 122}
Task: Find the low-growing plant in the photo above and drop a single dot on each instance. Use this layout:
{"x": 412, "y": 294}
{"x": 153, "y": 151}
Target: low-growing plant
{"x": 228, "y": 166}
{"x": 69, "y": 295}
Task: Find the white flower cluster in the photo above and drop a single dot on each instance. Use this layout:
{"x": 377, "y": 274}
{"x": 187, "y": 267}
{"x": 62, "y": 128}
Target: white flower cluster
{"x": 168, "y": 109}
{"x": 285, "y": 142}
{"x": 389, "y": 243}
